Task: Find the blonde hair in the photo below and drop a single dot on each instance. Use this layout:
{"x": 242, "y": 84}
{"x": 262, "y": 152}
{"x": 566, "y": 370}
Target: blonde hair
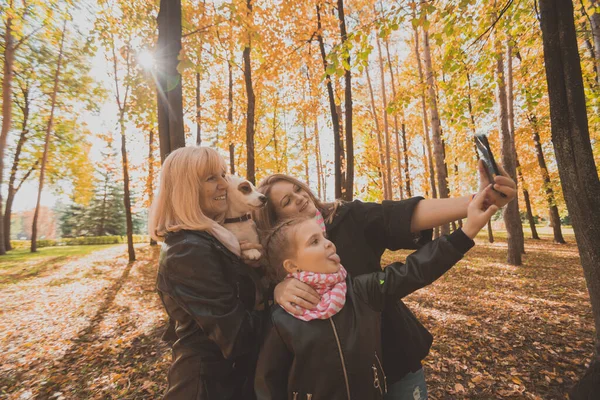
{"x": 176, "y": 206}
{"x": 279, "y": 245}
{"x": 266, "y": 217}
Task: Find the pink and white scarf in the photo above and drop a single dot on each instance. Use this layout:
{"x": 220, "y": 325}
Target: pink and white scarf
{"x": 332, "y": 289}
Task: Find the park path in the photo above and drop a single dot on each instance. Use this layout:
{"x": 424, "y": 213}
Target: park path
{"x": 46, "y": 321}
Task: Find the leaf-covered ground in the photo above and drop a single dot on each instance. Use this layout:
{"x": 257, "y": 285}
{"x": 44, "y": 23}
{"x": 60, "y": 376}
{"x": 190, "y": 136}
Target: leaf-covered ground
{"x": 507, "y": 332}
{"x": 90, "y": 327}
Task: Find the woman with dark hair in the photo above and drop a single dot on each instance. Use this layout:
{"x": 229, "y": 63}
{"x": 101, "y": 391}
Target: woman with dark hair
{"x": 361, "y": 233}
{"x": 203, "y": 283}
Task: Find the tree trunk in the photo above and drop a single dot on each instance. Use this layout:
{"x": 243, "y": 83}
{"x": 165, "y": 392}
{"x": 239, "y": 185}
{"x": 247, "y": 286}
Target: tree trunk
{"x": 198, "y": 111}
{"x": 250, "y": 168}
{"x": 442, "y": 176}
{"x": 534, "y": 234}
{"x": 320, "y": 178}
{"x": 460, "y": 223}
{"x": 396, "y": 130}
{"x": 386, "y": 130}
{"x": 127, "y": 197}
{"x": 425, "y": 170}
{"x": 406, "y": 166}
{"x": 100, "y": 231}
{"x": 305, "y": 147}
{"x": 47, "y": 140}
{"x": 340, "y": 113}
{"x": 9, "y": 57}
{"x": 15, "y": 167}
{"x": 230, "y": 119}
{"x": 150, "y": 178}
{"x": 550, "y": 196}
{"x": 382, "y": 164}
{"x": 490, "y": 232}
{"x": 512, "y": 219}
{"x": 320, "y": 175}
{"x": 334, "y": 115}
{"x": 251, "y": 108}
{"x": 595, "y": 24}
{"x": 574, "y": 157}
{"x": 425, "y": 122}
{"x": 348, "y": 191}
{"x": 511, "y": 125}
{"x": 275, "y": 141}
{"x": 170, "y": 104}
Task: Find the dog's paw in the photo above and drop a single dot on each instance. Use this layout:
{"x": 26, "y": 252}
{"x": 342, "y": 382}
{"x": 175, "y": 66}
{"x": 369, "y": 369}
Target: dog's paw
{"x": 252, "y": 254}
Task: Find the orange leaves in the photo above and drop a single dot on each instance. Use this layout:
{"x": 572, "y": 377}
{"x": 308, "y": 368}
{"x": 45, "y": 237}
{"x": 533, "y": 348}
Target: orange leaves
{"x": 506, "y": 332}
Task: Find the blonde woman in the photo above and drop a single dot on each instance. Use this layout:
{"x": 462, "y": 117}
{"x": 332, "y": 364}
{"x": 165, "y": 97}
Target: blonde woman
{"x": 204, "y": 285}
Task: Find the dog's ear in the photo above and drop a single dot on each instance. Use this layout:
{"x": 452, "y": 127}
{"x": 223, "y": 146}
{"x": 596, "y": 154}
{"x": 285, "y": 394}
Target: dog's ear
{"x": 245, "y": 187}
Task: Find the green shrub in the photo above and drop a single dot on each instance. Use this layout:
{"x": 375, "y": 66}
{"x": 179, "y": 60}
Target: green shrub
{"x": 25, "y": 244}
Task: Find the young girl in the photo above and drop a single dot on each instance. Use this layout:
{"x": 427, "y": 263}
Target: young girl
{"x": 334, "y": 350}
{"x": 362, "y": 232}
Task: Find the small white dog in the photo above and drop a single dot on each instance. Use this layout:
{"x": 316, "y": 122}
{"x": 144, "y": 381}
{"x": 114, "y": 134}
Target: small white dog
{"x": 242, "y": 197}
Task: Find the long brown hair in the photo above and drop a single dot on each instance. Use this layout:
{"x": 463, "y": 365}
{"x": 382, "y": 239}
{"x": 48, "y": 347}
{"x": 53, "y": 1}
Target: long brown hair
{"x": 266, "y": 217}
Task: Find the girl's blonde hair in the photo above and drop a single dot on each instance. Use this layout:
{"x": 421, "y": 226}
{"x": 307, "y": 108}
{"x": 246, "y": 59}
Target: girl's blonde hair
{"x": 266, "y": 217}
{"x": 176, "y": 206}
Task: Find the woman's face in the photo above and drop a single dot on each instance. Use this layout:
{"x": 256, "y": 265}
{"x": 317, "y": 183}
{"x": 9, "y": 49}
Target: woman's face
{"x": 213, "y": 195}
{"x": 291, "y": 200}
{"x": 314, "y": 252}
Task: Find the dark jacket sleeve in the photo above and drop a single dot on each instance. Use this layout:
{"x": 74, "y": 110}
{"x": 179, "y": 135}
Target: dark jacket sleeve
{"x": 273, "y": 367}
{"x": 388, "y": 224}
{"x": 422, "y": 268}
{"x": 196, "y": 280}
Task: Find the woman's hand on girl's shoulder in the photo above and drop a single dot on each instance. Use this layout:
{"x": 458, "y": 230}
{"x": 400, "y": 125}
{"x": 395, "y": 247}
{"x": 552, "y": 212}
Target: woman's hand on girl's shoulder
{"x": 293, "y": 295}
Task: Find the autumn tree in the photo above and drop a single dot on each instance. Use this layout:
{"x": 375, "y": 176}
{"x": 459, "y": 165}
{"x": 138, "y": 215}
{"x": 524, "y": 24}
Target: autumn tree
{"x": 576, "y": 166}
{"x": 49, "y": 127}
{"x": 436, "y": 133}
{"x": 15, "y": 17}
{"x": 118, "y": 40}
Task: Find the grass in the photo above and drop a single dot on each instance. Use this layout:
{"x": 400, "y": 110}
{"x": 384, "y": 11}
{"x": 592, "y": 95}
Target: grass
{"x": 21, "y": 263}
{"x": 544, "y": 231}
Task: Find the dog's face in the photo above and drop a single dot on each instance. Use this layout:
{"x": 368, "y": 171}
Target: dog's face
{"x": 242, "y": 196}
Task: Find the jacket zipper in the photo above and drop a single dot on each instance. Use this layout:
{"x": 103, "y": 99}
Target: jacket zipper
{"x": 341, "y": 356}
{"x": 376, "y": 381}
{"x": 383, "y": 373}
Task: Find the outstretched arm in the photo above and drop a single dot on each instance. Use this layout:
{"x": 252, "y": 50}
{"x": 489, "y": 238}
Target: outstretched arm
{"x": 428, "y": 263}
{"x": 430, "y": 213}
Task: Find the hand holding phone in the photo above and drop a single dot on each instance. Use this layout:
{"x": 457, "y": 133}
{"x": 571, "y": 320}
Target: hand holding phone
{"x": 486, "y": 155}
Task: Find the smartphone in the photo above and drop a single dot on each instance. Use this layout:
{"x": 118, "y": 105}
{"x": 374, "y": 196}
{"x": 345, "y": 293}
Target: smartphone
{"x": 486, "y": 155}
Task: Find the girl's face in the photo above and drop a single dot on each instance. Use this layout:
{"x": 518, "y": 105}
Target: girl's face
{"x": 213, "y": 195}
{"x": 291, "y": 201}
{"x": 314, "y": 252}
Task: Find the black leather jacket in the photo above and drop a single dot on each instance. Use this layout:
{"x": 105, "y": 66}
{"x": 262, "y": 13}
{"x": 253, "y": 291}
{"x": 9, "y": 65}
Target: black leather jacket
{"x": 211, "y": 295}
{"x": 340, "y": 357}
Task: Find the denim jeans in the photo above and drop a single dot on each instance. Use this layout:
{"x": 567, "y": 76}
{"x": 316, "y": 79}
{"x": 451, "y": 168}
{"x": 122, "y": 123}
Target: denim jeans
{"x": 411, "y": 387}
